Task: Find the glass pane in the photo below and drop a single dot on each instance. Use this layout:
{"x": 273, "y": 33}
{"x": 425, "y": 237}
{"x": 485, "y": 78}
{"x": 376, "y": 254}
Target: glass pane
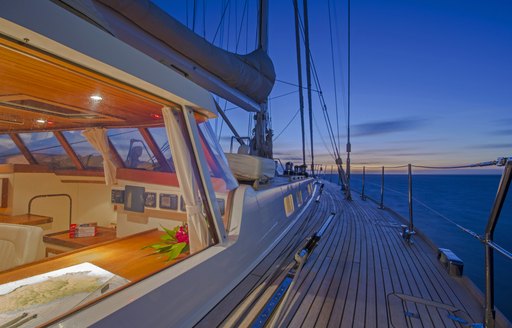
{"x": 9, "y": 153}
{"x": 133, "y": 149}
{"x": 89, "y": 156}
{"x": 217, "y": 162}
{"x": 162, "y": 142}
{"x": 47, "y": 150}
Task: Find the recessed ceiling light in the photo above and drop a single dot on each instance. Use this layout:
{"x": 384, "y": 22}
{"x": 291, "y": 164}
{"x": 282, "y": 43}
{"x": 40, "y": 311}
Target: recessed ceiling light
{"x": 96, "y": 98}
{"x": 41, "y": 121}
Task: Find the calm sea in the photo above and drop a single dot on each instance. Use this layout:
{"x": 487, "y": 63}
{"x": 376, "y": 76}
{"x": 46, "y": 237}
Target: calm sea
{"x": 464, "y": 199}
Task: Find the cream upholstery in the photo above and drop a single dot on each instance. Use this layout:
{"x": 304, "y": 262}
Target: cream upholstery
{"x": 20, "y": 244}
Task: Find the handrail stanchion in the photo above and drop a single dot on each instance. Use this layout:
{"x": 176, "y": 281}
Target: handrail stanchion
{"x": 490, "y": 313}
{"x": 363, "y": 196}
{"x": 411, "y": 223}
{"x": 381, "y": 206}
{"x": 408, "y": 231}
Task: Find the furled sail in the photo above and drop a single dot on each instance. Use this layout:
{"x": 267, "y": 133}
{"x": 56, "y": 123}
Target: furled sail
{"x": 148, "y": 28}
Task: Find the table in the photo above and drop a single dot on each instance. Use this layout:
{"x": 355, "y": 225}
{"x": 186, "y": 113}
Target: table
{"x": 62, "y": 238}
{"x": 123, "y": 256}
{"x": 26, "y": 219}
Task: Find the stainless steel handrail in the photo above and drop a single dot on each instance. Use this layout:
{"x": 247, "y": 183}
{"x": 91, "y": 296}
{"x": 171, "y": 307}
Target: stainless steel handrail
{"x": 52, "y": 195}
{"x": 490, "y": 246}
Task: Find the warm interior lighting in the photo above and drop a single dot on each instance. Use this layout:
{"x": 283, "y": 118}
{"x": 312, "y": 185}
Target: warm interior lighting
{"x": 41, "y": 121}
{"x": 96, "y": 98}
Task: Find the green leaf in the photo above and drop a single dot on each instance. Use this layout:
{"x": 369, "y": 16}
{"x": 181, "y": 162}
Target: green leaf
{"x": 172, "y": 232}
{"x": 165, "y": 237}
{"x": 176, "y": 251}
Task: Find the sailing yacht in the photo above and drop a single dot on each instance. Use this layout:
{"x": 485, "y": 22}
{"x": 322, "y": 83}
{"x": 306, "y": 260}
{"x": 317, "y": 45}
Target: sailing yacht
{"x": 105, "y": 146}
{"x": 118, "y": 206}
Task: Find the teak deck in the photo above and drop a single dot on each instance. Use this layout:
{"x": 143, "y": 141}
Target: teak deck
{"x": 362, "y": 274}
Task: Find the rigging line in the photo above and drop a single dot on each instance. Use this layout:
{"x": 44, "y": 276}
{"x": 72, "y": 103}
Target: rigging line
{"x": 228, "y": 30}
{"x": 221, "y": 20}
{"x": 294, "y": 84}
{"x": 186, "y": 13}
{"x": 322, "y": 138}
{"x": 284, "y": 95}
{"x": 244, "y": 12}
{"x": 194, "y": 14}
{"x": 482, "y": 164}
{"x": 321, "y": 98}
{"x": 222, "y": 122}
{"x": 204, "y": 19}
{"x": 334, "y": 72}
{"x": 380, "y": 167}
{"x": 247, "y": 34}
{"x": 338, "y": 44}
{"x": 287, "y": 125}
{"x": 464, "y": 229}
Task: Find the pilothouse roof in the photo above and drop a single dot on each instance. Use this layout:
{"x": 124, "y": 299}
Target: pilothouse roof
{"x": 56, "y": 78}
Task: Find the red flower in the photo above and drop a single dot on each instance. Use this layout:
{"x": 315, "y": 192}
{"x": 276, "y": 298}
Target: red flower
{"x": 182, "y": 235}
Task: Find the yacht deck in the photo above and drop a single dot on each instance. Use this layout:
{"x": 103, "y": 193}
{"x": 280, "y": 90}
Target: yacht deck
{"x": 362, "y": 274}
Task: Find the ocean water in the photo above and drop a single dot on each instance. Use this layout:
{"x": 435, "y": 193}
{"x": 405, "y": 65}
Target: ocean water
{"x": 464, "y": 199}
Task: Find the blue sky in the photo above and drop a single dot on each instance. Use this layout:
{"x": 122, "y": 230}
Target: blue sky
{"x": 431, "y": 80}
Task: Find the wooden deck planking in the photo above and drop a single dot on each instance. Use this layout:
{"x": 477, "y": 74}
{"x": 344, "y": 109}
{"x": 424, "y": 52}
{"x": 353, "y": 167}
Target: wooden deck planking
{"x": 362, "y": 274}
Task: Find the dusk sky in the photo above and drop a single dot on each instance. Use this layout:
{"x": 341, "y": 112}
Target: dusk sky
{"x": 431, "y": 79}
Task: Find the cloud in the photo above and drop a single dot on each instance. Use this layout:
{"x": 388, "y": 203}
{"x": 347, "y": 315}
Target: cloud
{"x": 493, "y": 145}
{"x": 387, "y": 127}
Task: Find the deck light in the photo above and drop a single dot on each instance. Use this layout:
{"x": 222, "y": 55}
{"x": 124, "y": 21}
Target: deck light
{"x": 96, "y": 98}
{"x": 41, "y": 121}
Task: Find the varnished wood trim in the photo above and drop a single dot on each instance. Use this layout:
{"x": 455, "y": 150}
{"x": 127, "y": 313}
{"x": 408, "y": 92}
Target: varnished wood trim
{"x": 82, "y": 173}
{"x": 83, "y": 181}
{"x": 52, "y": 250}
{"x": 71, "y": 153}
{"x": 154, "y": 149}
{"x": 150, "y": 177}
{"x": 26, "y": 219}
{"x": 21, "y": 146}
{"x": 118, "y": 161}
{"x": 5, "y": 192}
{"x": 24, "y": 168}
{"x": 73, "y": 67}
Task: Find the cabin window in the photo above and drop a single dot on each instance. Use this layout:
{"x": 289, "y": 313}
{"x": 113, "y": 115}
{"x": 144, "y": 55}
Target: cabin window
{"x": 289, "y": 208}
{"x": 217, "y": 162}
{"x": 47, "y": 150}
{"x": 160, "y": 137}
{"x": 133, "y": 149}
{"x": 9, "y": 153}
{"x": 88, "y": 156}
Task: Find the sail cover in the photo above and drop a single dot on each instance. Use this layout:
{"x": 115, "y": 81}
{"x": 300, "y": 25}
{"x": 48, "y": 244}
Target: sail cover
{"x": 151, "y": 30}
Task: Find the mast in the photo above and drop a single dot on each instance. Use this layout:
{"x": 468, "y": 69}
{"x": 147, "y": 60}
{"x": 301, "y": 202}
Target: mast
{"x": 299, "y": 71}
{"x": 262, "y": 141}
{"x": 308, "y": 78}
{"x": 348, "y": 195}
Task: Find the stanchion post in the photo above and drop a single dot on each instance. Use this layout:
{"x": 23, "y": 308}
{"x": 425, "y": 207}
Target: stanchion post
{"x": 363, "y": 196}
{"x": 411, "y": 224}
{"x": 381, "y": 206}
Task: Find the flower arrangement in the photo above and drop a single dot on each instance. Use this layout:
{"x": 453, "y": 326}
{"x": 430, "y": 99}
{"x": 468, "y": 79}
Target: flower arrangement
{"x": 173, "y": 242}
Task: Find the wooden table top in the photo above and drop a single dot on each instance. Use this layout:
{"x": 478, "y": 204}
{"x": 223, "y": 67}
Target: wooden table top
{"x": 124, "y": 257}
{"x": 26, "y": 219}
{"x": 62, "y": 238}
